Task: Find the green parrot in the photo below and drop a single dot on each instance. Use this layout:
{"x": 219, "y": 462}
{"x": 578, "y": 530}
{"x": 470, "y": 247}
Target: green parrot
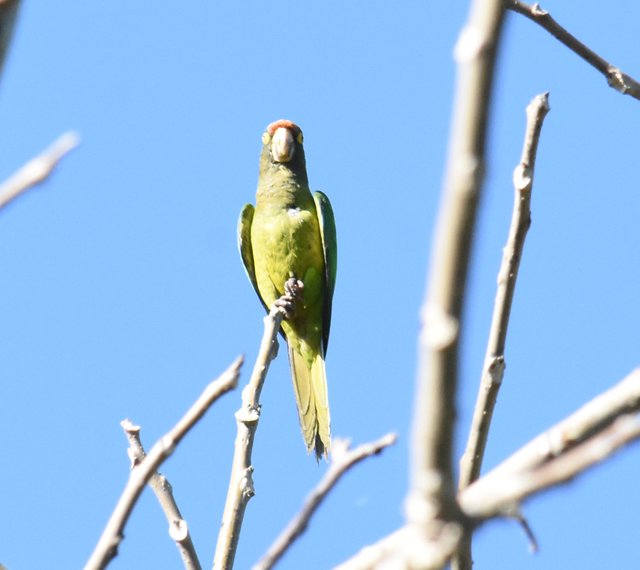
{"x": 291, "y": 234}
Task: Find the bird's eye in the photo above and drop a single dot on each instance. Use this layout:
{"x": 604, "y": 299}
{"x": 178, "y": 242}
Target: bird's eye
{"x": 299, "y": 138}
{"x": 266, "y": 138}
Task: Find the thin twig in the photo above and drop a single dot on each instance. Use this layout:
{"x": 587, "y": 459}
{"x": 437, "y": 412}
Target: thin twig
{"x": 178, "y": 528}
{"x": 342, "y": 459}
{"x": 37, "y": 169}
{"x": 8, "y": 16}
{"x": 432, "y": 493}
{"x": 528, "y": 531}
{"x": 559, "y": 453}
{"x": 494, "y": 362}
{"x": 616, "y": 78}
{"x": 247, "y": 417}
{"x": 107, "y": 546}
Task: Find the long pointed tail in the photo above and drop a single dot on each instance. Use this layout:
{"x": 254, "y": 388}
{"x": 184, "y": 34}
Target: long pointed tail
{"x": 310, "y": 387}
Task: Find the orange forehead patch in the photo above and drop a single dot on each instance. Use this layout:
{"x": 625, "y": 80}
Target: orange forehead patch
{"x": 282, "y": 123}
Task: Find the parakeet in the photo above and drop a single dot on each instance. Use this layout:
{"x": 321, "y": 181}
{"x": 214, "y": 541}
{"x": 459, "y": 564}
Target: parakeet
{"x": 291, "y": 233}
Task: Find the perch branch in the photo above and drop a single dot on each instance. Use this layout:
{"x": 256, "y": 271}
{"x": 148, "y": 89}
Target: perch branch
{"x": 616, "y": 78}
{"x": 342, "y": 459}
{"x": 247, "y": 417}
{"x": 107, "y": 546}
{"x": 494, "y": 362}
{"x": 587, "y": 436}
{"x": 37, "y": 169}
{"x": 178, "y": 528}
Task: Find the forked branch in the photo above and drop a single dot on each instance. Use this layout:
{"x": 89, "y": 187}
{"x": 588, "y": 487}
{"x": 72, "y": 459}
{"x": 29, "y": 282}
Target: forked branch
{"x": 178, "y": 528}
{"x": 107, "y": 546}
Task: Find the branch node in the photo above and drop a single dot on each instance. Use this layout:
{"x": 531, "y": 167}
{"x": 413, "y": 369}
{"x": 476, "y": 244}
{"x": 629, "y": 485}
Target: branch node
{"x": 522, "y": 178}
{"x": 496, "y": 369}
{"x": 179, "y": 530}
{"x": 440, "y": 329}
{"x": 538, "y": 11}
{"x": 248, "y": 415}
{"x": 618, "y": 80}
{"x": 246, "y": 483}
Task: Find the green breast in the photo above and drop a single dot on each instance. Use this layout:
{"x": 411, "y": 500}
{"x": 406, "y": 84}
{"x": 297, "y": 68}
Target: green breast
{"x": 286, "y": 243}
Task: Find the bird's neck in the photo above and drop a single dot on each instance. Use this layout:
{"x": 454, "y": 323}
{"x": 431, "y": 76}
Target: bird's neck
{"x": 282, "y": 185}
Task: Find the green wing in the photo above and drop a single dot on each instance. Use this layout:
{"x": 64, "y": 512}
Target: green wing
{"x": 245, "y": 247}
{"x": 330, "y": 250}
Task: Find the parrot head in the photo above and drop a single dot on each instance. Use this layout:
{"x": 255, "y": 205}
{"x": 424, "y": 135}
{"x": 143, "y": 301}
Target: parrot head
{"x": 282, "y": 148}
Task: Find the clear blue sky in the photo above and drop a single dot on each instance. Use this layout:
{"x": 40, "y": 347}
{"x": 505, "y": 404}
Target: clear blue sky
{"x": 122, "y": 293}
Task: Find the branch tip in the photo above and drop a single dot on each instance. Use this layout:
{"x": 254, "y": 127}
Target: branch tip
{"x": 37, "y": 169}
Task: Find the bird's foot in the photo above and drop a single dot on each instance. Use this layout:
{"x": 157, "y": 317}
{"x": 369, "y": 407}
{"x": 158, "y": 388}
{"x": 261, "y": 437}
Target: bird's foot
{"x": 293, "y": 289}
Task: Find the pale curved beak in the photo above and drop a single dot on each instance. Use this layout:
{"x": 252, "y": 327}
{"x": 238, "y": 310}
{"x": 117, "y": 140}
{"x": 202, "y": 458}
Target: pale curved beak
{"x": 282, "y": 145}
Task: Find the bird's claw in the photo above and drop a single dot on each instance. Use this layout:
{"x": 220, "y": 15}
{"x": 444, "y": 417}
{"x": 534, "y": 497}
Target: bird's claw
{"x": 292, "y": 293}
{"x": 293, "y": 288}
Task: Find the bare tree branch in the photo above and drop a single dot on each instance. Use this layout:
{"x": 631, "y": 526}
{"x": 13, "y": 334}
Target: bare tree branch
{"x": 494, "y": 362}
{"x": 623, "y": 398}
{"x": 596, "y": 430}
{"x": 8, "y": 15}
{"x": 247, "y": 417}
{"x": 342, "y": 459}
{"x": 392, "y": 552}
{"x": 512, "y": 488}
{"x": 107, "y": 546}
{"x": 178, "y": 528}
{"x": 37, "y": 169}
{"x": 434, "y": 521}
{"x": 432, "y": 491}
{"x": 616, "y": 78}
{"x": 375, "y": 555}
